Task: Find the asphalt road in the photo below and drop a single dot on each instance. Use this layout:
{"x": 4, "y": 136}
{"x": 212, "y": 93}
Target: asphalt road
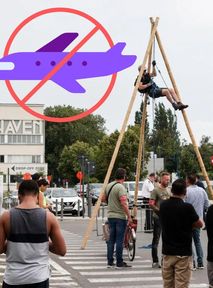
{"x": 87, "y": 268}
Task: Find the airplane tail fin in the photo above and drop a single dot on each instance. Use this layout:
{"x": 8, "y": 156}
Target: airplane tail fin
{"x": 117, "y": 48}
{"x": 123, "y": 61}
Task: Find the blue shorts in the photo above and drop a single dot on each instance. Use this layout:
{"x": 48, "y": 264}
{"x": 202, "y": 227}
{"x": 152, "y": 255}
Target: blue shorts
{"x": 155, "y": 92}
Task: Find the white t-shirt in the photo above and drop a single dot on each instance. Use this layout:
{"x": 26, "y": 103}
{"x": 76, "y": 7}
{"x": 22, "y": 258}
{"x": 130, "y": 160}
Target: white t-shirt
{"x": 147, "y": 188}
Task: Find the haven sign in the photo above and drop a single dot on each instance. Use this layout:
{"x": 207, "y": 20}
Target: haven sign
{"x": 24, "y": 127}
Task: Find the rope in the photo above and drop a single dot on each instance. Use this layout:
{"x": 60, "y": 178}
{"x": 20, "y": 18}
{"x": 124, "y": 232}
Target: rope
{"x": 164, "y": 81}
{"x": 153, "y": 57}
{"x": 162, "y": 77}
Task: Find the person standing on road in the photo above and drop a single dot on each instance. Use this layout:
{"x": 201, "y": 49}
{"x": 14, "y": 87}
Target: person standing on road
{"x": 36, "y": 176}
{"x": 199, "y": 183}
{"x": 178, "y": 220}
{"x": 42, "y": 201}
{"x": 148, "y": 187}
{"x": 27, "y": 234}
{"x": 198, "y": 198}
{"x": 118, "y": 215}
{"x": 158, "y": 195}
{"x": 209, "y": 228}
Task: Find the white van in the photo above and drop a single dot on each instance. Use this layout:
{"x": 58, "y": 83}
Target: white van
{"x": 130, "y": 186}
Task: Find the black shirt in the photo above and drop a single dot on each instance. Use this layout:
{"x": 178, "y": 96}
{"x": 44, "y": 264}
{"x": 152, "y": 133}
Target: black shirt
{"x": 177, "y": 218}
{"x": 209, "y": 228}
{"x": 146, "y": 78}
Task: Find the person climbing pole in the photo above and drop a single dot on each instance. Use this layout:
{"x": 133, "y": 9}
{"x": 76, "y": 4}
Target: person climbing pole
{"x": 147, "y": 85}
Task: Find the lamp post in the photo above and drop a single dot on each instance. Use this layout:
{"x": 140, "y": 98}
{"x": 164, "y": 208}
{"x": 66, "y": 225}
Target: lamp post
{"x": 90, "y": 169}
{"x": 82, "y": 164}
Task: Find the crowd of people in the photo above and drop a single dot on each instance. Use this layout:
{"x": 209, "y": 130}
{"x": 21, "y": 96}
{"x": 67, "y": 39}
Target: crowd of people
{"x": 28, "y": 232}
{"x": 176, "y": 214}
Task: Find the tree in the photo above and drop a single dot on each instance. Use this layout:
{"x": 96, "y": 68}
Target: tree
{"x": 188, "y": 160}
{"x": 206, "y": 150}
{"x": 127, "y": 155}
{"x": 103, "y": 154}
{"x": 70, "y": 159}
{"x": 58, "y": 135}
{"x": 165, "y": 138}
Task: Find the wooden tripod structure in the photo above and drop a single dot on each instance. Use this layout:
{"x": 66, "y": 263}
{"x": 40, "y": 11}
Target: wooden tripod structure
{"x": 147, "y": 59}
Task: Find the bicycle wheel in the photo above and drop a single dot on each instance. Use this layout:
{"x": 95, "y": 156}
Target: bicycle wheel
{"x": 131, "y": 245}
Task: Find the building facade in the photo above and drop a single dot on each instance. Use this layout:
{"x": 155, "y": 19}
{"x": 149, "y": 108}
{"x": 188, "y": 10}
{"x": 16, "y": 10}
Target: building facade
{"x": 22, "y": 143}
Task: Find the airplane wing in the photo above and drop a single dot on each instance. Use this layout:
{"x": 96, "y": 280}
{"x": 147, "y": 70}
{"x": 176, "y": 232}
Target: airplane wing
{"x": 70, "y": 85}
{"x": 59, "y": 43}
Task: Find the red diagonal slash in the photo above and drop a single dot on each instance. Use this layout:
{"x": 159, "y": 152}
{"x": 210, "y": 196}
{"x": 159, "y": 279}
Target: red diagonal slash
{"x": 60, "y": 65}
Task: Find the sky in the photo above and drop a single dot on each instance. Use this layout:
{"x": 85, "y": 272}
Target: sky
{"x": 185, "y": 28}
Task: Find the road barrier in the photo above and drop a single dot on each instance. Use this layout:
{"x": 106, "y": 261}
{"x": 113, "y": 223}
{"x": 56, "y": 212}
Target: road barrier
{"x": 144, "y": 216}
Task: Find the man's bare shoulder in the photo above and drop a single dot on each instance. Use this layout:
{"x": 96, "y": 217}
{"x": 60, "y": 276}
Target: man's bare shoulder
{"x": 5, "y": 216}
{"x": 50, "y": 217}
{"x": 5, "y": 221}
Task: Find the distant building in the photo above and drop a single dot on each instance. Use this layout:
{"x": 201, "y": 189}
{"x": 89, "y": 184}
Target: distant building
{"x": 155, "y": 164}
{"x": 22, "y": 143}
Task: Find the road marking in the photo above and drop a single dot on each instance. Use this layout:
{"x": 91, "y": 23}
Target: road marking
{"x": 57, "y": 267}
{"x": 88, "y": 257}
{"x": 105, "y": 267}
{"x": 116, "y": 272}
{"x": 62, "y": 284}
{"x": 61, "y": 278}
{"x": 82, "y": 253}
{"x": 157, "y": 286}
{"x": 98, "y": 262}
{"x": 119, "y": 280}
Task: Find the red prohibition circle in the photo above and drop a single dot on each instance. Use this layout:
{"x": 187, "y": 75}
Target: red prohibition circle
{"x": 12, "y": 91}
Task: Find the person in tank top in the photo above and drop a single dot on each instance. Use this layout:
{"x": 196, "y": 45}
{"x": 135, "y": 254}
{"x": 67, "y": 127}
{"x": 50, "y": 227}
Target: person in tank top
{"x": 27, "y": 234}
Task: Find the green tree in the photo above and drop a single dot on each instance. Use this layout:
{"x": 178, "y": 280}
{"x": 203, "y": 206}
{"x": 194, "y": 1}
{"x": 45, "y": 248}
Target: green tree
{"x": 206, "y": 150}
{"x": 103, "y": 154}
{"x": 90, "y": 130}
{"x": 165, "y": 138}
{"x": 188, "y": 160}
{"x": 127, "y": 155}
{"x": 70, "y": 159}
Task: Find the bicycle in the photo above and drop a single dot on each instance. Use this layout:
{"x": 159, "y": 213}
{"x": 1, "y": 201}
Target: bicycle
{"x": 129, "y": 237}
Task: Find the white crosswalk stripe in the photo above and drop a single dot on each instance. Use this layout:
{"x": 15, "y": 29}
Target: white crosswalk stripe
{"x": 59, "y": 276}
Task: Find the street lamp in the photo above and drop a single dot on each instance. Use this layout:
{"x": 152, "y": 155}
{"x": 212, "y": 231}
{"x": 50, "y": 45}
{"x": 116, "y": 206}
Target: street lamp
{"x": 82, "y": 159}
{"x": 90, "y": 169}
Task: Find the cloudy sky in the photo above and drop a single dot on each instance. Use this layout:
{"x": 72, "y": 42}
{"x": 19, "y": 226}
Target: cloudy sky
{"x": 185, "y": 28}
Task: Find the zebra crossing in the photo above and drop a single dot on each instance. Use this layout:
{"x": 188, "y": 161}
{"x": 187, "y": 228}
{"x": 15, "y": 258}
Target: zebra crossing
{"x": 59, "y": 276}
{"x": 88, "y": 267}
{"x": 91, "y": 264}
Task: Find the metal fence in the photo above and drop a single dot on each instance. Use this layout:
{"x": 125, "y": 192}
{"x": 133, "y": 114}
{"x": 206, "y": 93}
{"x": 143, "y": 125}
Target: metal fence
{"x": 144, "y": 216}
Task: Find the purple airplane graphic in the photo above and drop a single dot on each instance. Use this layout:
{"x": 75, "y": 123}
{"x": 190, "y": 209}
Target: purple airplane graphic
{"x": 82, "y": 65}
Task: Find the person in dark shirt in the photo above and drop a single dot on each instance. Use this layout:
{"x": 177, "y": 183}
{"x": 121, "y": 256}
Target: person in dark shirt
{"x": 147, "y": 85}
{"x": 209, "y": 228}
{"x": 177, "y": 219}
{"x": 199, "y": 183}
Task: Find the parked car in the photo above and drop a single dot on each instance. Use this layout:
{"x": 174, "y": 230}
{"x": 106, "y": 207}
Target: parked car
{"x": 14, "y": 198}
{"x": 71, "y": 200}
{"x": 79, "y": 189}
{"x": 95, "y": 190}
{"x": 130, "y": 186}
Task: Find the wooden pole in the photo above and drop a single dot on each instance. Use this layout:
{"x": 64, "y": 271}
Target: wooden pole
{"x": 115, "y": 153}
{"x": 141, "y": 141}
{"x": 197, "y": 152}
